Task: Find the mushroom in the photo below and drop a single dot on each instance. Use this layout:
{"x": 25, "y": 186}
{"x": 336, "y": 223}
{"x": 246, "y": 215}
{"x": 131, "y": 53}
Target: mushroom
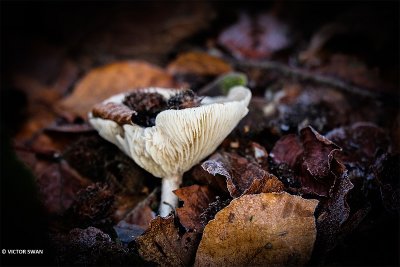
{"x": 179, "y": 139}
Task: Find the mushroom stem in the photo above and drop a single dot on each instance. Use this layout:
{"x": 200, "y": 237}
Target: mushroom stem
{"x": 169, "y": 200}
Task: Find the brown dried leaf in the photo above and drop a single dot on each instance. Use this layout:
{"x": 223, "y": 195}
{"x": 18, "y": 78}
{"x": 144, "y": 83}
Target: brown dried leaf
{"x": 266, "y": 229}
{"x": 198, "y": 63}
{"x": 318, "y": 152}
{"x": 196, "y": 199}
{"x": 105, "y": 81}
{"x": 287, "y": 150}
{"x": 119, "y": 113}
{"x": 202, "y": 176}
{"x": 242, "y": 176}
{"x": 333, "y": 212}
{"x": 162, "y": 244}
{"x": 310, "y": 157}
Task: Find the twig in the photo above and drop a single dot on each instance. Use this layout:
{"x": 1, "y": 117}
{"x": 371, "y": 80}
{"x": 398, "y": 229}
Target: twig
{"x": 312, "y": 77}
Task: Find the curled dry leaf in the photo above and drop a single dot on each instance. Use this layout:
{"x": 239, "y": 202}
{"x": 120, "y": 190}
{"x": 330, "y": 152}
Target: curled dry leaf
{"x": 119, "y": 113}
{"x": 334, "y": 211}
{"x": 267, "y": 229}
{"x": 161, "y": 243}
{"x": 105, "y": 81}
{"x": 310, "y": 157}
{"x": 313, "y": 159}
{"x": 242, "y": 176}
{"x": 196, "y": 200}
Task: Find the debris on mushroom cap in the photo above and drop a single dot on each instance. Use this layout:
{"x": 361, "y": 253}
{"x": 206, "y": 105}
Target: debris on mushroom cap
{"x": 180, "y": 138}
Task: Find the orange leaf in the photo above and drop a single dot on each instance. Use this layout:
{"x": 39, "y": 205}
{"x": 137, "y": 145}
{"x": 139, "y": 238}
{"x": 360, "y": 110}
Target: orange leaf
{"x": 112, "y": 79}
{"x": 199, "y": 63}
{"x": 267, "y": 229}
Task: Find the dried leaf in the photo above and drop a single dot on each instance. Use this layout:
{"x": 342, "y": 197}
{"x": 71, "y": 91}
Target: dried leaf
{"x": 198, "y": 63}
{"x": 242, "y": 176}
{"x": 318, "y": 152}
{"x": 119, "y": 113}
{"x": 196, "y": 200}
{"x": 287, "y": 150}
{"x": 162, "y": 244}
{"x": 310, "y": 157}
{"x": 266, "y": 229}
{"x": 111, "y": 79}
{"x": 255, "y": 37}
{"x": 202, "y": 176}
{"x": 333, "y": 212}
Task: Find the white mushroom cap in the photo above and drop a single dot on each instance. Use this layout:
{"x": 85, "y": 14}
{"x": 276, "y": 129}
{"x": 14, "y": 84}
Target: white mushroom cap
{"x": 180, "y": 138}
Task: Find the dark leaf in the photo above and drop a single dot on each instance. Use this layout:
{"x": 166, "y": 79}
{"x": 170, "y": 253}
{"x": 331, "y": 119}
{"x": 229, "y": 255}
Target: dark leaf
{"x": 242, "y": 176}
{"x": 287, "y": 150}
{"x": 333, "y": 212}
{"x": 196, "y": 199}
{"x": 310, "y": 157}
{"x": 161, "y": 243}
{"x": 217, "y": 183}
